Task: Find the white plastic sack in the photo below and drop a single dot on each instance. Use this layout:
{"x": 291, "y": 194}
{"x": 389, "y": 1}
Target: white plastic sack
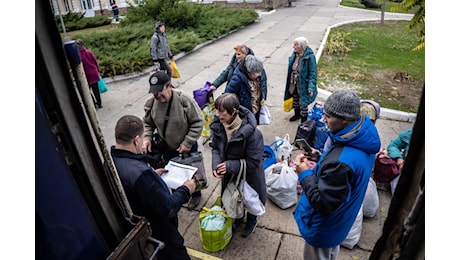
{"x": 251, "y": 200}
{"x": 284, "y": 150}
{"x": 265, "y": 118}
{"x": 281, "y": 182}
{"x": 393, "y": 184}
{"x": 371, "y": 200}
{"x": 355, "y": 232}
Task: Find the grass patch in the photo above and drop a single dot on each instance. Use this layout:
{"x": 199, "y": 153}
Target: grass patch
{"x": 388, "y": 5}
{"x": 379, "y": 65}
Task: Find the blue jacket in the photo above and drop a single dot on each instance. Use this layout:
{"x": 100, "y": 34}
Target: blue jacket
{"x": 149, "y": 196}
{"x": 333, "y": 191}
{"x": 308, "y": 76}
{"x": 239, "y": 84}
{"x": 226, "y": 75}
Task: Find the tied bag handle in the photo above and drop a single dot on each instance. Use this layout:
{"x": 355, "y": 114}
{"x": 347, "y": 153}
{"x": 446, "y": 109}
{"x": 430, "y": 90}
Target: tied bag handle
{"x": 287, "y": 138}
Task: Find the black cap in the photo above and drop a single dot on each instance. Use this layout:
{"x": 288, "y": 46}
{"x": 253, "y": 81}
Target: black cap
{"x": 157, "y": 81}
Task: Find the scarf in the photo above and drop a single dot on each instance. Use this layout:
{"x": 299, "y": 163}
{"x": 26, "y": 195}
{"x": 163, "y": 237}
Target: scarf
{"x": 231, "y": 128}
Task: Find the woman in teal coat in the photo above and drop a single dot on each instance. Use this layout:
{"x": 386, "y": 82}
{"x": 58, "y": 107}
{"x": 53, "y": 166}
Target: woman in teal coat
{"x": 301, "y": 79}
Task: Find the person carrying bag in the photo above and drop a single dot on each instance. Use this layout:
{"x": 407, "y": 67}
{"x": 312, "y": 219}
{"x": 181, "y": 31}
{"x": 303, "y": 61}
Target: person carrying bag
{"x": 232, "y": 198}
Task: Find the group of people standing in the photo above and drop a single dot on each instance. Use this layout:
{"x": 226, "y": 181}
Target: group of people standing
{"x": 333, "y": 188}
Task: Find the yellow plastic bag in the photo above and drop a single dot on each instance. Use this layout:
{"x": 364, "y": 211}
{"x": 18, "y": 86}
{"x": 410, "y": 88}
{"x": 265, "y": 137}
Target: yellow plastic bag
{"x": 215, "y": 240}
{"x": 288, "y": 104}
{"x": 174, "y": 71}
{"x": 208, "y": 112}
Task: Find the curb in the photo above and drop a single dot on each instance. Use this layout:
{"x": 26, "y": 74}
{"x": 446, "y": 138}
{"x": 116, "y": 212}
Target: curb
{"x": 385, "y": 113}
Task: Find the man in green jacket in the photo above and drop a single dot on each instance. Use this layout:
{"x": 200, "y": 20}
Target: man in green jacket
{"x": 176, "y": 118}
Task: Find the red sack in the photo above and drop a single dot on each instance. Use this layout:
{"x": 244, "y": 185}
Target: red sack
{"x": 385, "y": 168}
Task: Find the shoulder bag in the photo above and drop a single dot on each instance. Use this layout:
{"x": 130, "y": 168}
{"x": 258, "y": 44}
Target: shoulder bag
{"x": 194, "y": 159}
{"x": 232, "y": 197}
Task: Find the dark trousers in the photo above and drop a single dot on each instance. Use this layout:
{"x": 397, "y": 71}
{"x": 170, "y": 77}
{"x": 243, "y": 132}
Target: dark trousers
{"x": 165, "y": 66}
{"x": 96, "y": 94}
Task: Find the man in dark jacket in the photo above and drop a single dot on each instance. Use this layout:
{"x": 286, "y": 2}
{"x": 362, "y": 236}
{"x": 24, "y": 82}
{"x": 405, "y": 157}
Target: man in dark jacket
{"x": 148, "y": 194}
{"x": 334, "y": 189}
{"x": 159, "y": 49}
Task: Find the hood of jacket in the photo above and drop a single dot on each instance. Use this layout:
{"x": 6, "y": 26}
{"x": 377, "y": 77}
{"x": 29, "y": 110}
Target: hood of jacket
{"x": 362, "y": 135}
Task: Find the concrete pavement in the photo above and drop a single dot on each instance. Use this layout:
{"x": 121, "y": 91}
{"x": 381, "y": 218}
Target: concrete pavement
{"x": 271, "y": 38}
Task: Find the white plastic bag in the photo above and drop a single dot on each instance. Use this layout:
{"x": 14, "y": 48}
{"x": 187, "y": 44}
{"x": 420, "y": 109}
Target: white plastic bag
{"x": 213, "y": 220}
{"x": 281, "y": 182}
{"x": 355, "y": 232}
{"x": 371, "y": 200}
{"x": 284, "y": 148}
{"x": 393, "y": 184}
{"x": 265, "y": 118}
{"x": 251, "y": 200}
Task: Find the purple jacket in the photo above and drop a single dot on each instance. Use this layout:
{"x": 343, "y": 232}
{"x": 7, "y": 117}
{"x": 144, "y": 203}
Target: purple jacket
{"x": 90, "y": 66}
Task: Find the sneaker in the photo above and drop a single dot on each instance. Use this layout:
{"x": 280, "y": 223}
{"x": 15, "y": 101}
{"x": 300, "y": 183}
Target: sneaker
{"x": 194, "y": 201}
{"x": 249, "y": 228}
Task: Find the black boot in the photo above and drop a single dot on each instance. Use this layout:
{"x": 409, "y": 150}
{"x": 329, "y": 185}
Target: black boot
{"x": 194, "y": 201}
{"x": 296, "y": 115}
{"x": 303, "y": 119}
{"x": 251, "y": 223}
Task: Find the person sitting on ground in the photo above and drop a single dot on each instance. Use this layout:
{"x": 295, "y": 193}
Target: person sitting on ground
{"x": 147, "y": 193}
{"x": 398, "y": 147}
{"x": 241, "y": 51}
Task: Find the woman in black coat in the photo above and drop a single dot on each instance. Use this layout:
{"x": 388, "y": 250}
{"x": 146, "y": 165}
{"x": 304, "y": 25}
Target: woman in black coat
{"x": 235, "y": 136}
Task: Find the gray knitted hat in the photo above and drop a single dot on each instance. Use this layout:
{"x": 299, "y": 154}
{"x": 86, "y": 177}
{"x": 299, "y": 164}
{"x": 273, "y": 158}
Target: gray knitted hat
{"x": 344, "y": 104}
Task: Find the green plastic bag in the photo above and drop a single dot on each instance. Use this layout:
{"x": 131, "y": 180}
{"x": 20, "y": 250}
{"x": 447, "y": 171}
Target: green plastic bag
{"x": 216, "y": 240}
{"x": 102, "y": 86}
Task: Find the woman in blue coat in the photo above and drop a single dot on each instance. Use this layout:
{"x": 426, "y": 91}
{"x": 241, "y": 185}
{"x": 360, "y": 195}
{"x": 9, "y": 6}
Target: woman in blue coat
{"x": 235, "y": 136}
{"x": 249, "y": 85}
{"x": 301, "y": 79}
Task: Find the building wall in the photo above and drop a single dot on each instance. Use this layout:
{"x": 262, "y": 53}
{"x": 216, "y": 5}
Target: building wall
{"x": 102, "y": 7}
{"x": 99, "y": 6}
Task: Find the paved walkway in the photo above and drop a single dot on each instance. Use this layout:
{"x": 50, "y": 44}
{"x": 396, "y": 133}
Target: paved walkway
{"x": 271, "y": 37}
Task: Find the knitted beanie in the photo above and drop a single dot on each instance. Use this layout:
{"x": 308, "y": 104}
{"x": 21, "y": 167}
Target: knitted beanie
{"x": 344, "y": 104}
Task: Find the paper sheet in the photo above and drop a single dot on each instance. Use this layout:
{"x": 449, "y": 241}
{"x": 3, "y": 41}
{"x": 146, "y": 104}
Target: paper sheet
{"x": 177, "y": 174}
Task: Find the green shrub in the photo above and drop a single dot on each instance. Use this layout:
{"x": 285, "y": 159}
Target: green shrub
{"x": 126, "y": 48}
{"x": 338, "y": 43}
{"x": 181, "y": 15}
{"x": 76, "y": 21}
